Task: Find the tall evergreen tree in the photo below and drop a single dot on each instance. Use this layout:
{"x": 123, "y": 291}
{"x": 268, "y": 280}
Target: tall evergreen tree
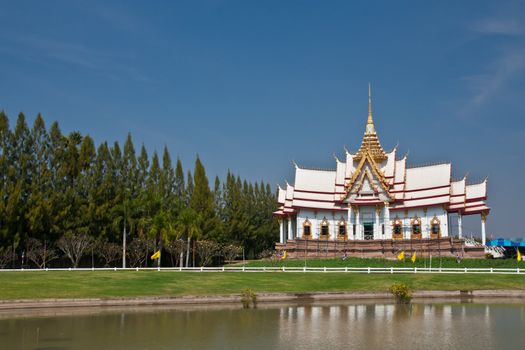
{"x": 179, "y": 188}
{"x": 167, "y": 182}
{"x": 202, "y": 200}
{"x": 54, "y": 185}
{"x": 5, "y": 138}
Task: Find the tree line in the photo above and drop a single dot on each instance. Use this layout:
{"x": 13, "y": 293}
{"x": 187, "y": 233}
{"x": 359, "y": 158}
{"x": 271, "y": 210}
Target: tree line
{"x": 63, "y": 196}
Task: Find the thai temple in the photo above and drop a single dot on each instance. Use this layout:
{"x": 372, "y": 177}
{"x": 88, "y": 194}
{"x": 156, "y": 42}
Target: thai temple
{"x": 377, "y": 204}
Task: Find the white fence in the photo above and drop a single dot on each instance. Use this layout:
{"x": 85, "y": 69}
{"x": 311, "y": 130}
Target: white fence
{"x": 367, "y": 270}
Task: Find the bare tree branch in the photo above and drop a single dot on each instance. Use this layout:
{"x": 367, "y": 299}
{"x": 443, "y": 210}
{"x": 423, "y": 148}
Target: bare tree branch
{"x": 40, "y": 253}
{"x": 6, "y": 256}
{"x": 206, "y": 251}
{"x": 231, "y": 252}
{"x": 74, "y": 246}
{"x": 109, "y": 252}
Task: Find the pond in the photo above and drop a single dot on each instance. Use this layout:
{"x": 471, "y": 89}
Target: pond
{"x": 364, "y": 325}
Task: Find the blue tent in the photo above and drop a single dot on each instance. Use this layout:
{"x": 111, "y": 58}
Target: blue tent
{"x": 501, "y": 242}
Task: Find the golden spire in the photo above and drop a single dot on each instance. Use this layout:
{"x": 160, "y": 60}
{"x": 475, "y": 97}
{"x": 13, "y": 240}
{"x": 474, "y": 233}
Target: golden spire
{"x": 370, "y": 122}
{"x": 370, "y": 143}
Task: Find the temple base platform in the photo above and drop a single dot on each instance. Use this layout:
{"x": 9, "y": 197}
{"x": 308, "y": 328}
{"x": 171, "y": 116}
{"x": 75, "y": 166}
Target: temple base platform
{"x": 388, "y": 249}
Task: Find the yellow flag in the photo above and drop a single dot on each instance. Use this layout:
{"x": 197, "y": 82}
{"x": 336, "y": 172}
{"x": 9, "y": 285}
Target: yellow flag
{"x": 156, "y": 255}
{"x": 284, "y": 255}
{"x": 413, "y": 258}
{"x": 401, "y": 256}
{"x": 519, "y": 256}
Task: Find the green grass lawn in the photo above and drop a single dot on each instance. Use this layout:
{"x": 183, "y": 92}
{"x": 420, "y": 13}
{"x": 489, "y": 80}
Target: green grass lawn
{"x": 110, "y": 284}
{"x": 376, "y": 262}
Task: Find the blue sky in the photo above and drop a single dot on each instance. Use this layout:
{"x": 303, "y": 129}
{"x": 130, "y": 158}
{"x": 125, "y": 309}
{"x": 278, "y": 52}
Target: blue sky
{"x": 252, "y": 85}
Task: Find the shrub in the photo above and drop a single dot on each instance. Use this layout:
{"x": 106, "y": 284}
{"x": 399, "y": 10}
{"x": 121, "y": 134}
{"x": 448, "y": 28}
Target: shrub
{"x": 401, "y": 292}
{"x": 248, "y": 297}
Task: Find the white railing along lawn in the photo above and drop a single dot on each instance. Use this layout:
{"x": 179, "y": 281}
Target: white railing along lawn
{"x": 368, "y": 270}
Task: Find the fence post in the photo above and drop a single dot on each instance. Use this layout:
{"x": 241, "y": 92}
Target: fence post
{"x": 243, "y": 268}
{"x": 465, "y": 270}
{"x": 284, "y": 269}
{"x": 518, "y": 270}
{"x": 223, "y": 269}
{"x": 491, "y": 270}
{"x": 391, "y": 270}
{"x": 180, "y": 268}
{"x": 324, "y": 270}
{"x": 346, "y": 268}
{"x": 304, "y": 268}
{"x": 137, "y": 269}
{"x": 415, "y": 269}
{"x": 369, "y": 270}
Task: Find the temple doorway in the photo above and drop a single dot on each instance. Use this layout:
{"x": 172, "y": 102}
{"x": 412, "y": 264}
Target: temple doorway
{"x": 368, "y": 229}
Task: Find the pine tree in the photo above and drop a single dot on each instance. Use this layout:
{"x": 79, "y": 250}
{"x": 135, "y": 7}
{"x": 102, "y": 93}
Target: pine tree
{"x": 85, "y": 200}
{"x": 5, "y": 154}
{"x": 54, "y": 186}
{"x": 167, "y": 181}
{"x": 189, "y": 189}
{"x": 126, "y": 212}
{"x": 202, "y": 199}
{"x": 180, "y": 189}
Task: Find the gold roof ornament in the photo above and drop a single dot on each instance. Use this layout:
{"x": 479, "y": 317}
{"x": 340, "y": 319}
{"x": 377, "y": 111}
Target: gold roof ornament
{"x": 370, "y": 143}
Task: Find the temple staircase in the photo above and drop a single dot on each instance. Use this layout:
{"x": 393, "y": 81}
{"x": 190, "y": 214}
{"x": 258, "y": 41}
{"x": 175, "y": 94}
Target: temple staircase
{"x": 496, "y": 252}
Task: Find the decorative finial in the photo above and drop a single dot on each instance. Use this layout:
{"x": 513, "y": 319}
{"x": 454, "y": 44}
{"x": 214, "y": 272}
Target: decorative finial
{"x": 370, "y": 122}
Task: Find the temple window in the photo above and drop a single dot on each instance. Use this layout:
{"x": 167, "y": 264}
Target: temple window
{"x": 307, "y": 228}
{"x": 416, "y": 226}
{"x": 342, "y": 228}
{"x": 435, "y": 228}
{"x": 354, "y": 229}
{"x": 325, "y": 230}
{"x": 397, "y": 228}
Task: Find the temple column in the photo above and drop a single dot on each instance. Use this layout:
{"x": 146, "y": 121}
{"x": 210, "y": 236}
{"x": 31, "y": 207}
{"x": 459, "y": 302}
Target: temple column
{"x": 357, "y": 225}
{"x": 350, "y": 233}
{"x": 377, "y": 230}
{"x": 290, "y": 233}
{"x": 332, "y": 229}
{"x": 425, "y": 226}
{"x": 406, "y": 226}
{"x": 281, "y": 230}
{"x": 484, "y": 215}
{"x": 388, "y": 227}
{"x": 460, "y": 225}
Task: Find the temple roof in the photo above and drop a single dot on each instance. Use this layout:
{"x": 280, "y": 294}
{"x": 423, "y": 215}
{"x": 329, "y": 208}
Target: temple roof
{"x": 373, "y": 177}
{"x": 370, "y": 141}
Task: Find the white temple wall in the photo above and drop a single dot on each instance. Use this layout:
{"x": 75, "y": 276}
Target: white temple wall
{"x": 436, "y": 211}
{"x": 316, "y": 217}
{"x": 368, "y": 214}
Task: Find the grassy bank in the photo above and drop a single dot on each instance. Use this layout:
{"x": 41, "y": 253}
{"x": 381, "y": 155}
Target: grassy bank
{"x": 109, "y": 284}
{"x": 375, "y": 262}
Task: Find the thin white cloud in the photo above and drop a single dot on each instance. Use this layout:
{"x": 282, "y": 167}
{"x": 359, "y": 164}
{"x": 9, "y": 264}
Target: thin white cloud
{"x": 47, "y": 51}
{"x": 499, "y": 26}
{"x": 486, "y": 85}
{"x": 498, "y": 73}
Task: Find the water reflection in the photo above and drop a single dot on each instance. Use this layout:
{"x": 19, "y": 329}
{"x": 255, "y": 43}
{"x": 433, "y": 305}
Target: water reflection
{"x": 361, "y": 326}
